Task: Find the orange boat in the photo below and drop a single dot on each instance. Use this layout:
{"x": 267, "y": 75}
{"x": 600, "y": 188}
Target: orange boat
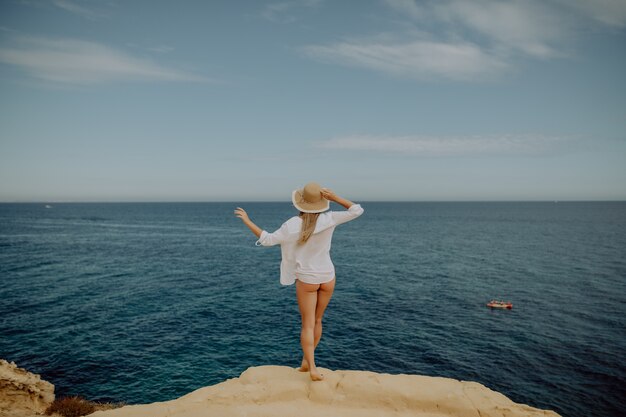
{"x": 500, "y": 304}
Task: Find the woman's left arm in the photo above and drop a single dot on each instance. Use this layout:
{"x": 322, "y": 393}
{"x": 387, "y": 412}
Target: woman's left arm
{"x": 241, "y": 213}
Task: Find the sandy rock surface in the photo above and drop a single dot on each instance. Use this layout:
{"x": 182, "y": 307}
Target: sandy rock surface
{"x": 275, "y": 391}
{"x": 22, "y": 394}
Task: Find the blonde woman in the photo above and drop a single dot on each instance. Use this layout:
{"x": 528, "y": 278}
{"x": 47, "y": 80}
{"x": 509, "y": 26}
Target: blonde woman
{"x": 305, "y": 247}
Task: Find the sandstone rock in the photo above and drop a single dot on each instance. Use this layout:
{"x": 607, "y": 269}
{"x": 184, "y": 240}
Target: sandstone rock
{"x": 22, "y": 394}
{"x": 279, "y": 391}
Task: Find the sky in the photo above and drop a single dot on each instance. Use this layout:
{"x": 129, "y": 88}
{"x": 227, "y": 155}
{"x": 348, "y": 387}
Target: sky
{"x": 226, "y": 100}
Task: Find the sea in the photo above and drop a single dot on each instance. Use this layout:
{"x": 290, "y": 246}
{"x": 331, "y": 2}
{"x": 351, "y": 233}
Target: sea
{"x": 145, "y": 302}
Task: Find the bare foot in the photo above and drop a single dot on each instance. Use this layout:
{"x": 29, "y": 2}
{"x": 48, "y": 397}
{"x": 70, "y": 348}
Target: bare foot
{"x": 316, "y": 376}
{"x": 304, "y": 367}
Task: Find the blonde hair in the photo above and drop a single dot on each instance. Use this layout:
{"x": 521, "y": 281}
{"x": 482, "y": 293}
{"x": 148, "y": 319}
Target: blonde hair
{"x": 309, "y": 220}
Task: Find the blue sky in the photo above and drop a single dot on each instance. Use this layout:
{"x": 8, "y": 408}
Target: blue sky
{"x": 247, "y": 100}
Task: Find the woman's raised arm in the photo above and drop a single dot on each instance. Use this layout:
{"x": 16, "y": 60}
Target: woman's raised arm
{"x": 329, "y": 195}
{"x": 241, "y": 213}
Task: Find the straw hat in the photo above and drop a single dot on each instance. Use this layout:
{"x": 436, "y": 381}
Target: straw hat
{"x": 309, "y": 199}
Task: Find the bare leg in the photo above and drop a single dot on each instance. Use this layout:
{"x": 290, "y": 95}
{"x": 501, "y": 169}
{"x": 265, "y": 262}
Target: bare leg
{"x": 324, "y": 293}
{"x": 323, "y": 298}
{"x": 307, "y": 300}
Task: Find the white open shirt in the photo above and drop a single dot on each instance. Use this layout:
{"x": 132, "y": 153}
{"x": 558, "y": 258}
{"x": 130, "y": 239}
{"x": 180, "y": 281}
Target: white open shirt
{"x": 309, "y": 262}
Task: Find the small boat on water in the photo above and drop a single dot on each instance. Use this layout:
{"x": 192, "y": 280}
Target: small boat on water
{"x": 499, "y": 304}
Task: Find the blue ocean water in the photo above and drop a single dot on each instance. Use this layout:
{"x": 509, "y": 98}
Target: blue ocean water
{"x": 146, "y": 302}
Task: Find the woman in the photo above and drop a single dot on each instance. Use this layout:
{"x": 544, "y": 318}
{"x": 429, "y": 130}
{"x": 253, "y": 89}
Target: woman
{"x": 305, "y": 247}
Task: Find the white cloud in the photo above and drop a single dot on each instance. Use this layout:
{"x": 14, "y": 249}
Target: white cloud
{"x": 77, "y": 9}
{"x": 163, "y": 49}
{"x": 469, "y": 40}
{"x": 438, "y": 146}
{"x": 407, "y": 7}
{"x": 283, "y": 11}
{"x": 419, "y": 58}
{"x": 74, "y": 61}
{"x": 611, "y": 13}
{"x": 524, "y": 26}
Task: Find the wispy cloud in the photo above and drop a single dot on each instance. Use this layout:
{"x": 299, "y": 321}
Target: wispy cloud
{"x": 611, "y": 13}
{"x": 78, "y": 9}
{"x": 471, "y": 40}
{"x": 527, "y": 27}
{"x": 284, "y": 11}
{"x": 163, "y": 49}
{"x": 438, "y": 146}
{"x": 73, "y": 61}
{"x": 418, "y": 58}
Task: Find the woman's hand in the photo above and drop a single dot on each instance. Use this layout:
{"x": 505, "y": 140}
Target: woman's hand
{"x": 241, "y": 213}
{"x": 328, "y": 194}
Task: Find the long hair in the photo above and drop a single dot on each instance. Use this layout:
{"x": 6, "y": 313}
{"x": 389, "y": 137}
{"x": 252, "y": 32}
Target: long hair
{"x": 309, "y": 220}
